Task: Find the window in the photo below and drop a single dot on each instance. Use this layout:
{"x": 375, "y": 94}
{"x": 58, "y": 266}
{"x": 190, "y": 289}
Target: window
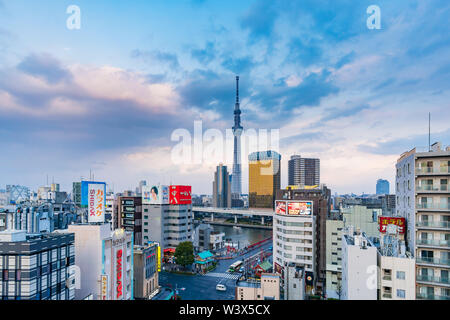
{"x": 401, "y": 275}
{"x": 401, "y": 293}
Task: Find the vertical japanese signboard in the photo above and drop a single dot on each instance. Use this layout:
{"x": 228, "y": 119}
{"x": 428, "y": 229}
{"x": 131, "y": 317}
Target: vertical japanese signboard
{"x": 96, "y": 202}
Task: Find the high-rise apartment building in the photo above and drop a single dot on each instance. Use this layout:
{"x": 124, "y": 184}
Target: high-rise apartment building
{"x": 382, "y": 186}
{"x": 221, "y": 188}
{"x": 264, "y": 178}
{"x": 423, "y": 198}
{"x": 333, "y": 248}
{"x": 36, "y": 267}
{"x": 303, "y": 171}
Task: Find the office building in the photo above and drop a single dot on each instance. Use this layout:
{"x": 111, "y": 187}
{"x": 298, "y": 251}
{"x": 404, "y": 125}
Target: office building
{"x": 221, "y": 188}
{"x": 303, "y": 171}
{"x": 128, "y": 215}
{"x": 319, "y": 198}
{"x": 236, "y": 182}
{"x": 146, "y": 261}
{"x": 423, "y": 199}
{"x": 266, "y": 289}
{"x": 17, "y": 193}
{"x": 169, "y": 219}
{"x": 105, "y": 261}
{"x": 334, "y": 232}
{"x": 359, "y": 267}
{"x": 36, "y": 266}
{"x": 76, "y": 193}
{"x": 264, "y": 178}
{"x": 201, "y": 236}
{"x": 382, "y": 187}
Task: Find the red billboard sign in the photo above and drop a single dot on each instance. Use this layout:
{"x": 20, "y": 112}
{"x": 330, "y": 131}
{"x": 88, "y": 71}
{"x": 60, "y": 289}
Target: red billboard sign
{"x": 119, "y": 273}
{"x": 383, "y": 222}
{"x": 300, "y": 208}
{"x": 180, "y": 195}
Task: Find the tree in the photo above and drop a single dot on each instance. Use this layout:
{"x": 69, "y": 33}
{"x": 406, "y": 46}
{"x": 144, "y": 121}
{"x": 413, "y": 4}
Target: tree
{"x": 339, "y": 289}
{"x": 184, "y": 254}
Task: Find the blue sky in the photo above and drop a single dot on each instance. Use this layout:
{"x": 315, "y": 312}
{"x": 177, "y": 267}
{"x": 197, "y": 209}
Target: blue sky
{"x": 108, "y": 97}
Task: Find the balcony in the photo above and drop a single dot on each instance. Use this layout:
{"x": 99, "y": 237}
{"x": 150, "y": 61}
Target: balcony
{"x": 434, "y": 261}
{"x": 433, "y": 224}
{"x": 438, "y": 280}
{"x": 387, "y": 277}
{"x": 445, "y": 206}
{"x": 433, "y": 170}
{"x": 424, "y": 296}
{"x": 433, "y": 243}
{"x": 443, "y": 188}
{"x": 387, "y": 295}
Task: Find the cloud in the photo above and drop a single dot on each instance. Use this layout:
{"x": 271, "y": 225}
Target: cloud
{"x": 259, "y": 20}
{"x": 44, "y": 66}
{"x": 150, "y": 57}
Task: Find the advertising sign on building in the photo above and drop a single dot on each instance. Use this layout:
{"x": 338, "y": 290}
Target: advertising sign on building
{"x": 85, "y": 191}
{"x": 104, "y": 281}
{"x": 96, "y": 202}
{"x": 155, "y": 195}
{"x": 280, "y": 207}
{"x": 180, "y": 195}
{"x": 119, "y": 274}
{"x": 309, "y": 277}
{"x": 383, "y": 222}
{"x": 300, "y": 208}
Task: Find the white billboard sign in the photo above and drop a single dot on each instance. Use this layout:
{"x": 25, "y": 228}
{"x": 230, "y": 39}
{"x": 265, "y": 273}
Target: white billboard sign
{"x": 96, "y": 203}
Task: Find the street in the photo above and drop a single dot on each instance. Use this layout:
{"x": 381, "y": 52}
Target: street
{"x": 203, "y": 287}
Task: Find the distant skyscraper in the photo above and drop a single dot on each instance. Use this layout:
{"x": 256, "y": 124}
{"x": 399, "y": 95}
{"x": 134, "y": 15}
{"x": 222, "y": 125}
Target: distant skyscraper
{"x": 236, "y": 183}
{"x": 221, "y": 188}
{"x": 264, "y": 178}
{"x": 382, "y": 186}
{"x": 303, "y": 171}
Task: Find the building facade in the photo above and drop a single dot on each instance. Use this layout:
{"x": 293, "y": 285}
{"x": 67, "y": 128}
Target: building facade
{"x": 36, "y": 267}
{"x": 320, "y": 197}
{"x": 105, "y": 261}
{"x": 334, "y": 233}
{"x": 264, "y": 178}
{"x": 303, "y": 171}
{"x": 147, "y": 260}
{"x": 266, "y": 289}
{"x": 382, "y": 187}
{"x": 128, "y": 215}
{"x": 221, "y": 188}
{"x": 423, "y": 198}
{"x": 359, "y": 268}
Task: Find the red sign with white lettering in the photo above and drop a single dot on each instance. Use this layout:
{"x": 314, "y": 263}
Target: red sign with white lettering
{"x": 385, "y": 221}
{"x": 180, "y": 195}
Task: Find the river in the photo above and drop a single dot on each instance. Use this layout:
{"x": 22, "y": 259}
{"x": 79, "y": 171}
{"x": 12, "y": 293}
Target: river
{"x": 244, "y": 236}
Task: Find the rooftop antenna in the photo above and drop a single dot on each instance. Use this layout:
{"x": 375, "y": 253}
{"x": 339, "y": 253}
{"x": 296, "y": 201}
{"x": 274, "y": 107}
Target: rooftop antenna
{"x": 429, "y": 131}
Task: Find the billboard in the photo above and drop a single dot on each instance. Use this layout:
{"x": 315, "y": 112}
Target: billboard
{"x": 280, "y": 207}
{"x": 180, "y": 195}
{"x": 155, "y": 195}
{"x": 85, "y": 191}
{"x": 309, "y": 277}
{"x": 119, "y": 285}
{"x": 96, "y": 202}
{"x": 300, "y": 208}
{"x": 383, "y": 222}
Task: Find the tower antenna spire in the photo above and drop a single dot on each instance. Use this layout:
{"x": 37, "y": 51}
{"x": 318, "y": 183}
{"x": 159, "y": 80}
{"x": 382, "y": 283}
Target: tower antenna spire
{"x": 429, "y": 131}
{"x": 237, "y": 91}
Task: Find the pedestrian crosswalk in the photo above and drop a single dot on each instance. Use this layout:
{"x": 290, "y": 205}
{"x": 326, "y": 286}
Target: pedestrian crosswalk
{"x": 231, "y": 276}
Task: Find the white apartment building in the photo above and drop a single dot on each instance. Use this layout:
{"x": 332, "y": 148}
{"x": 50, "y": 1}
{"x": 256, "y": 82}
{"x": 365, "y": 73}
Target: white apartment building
{"x": 334, "y": 232}
{"x": 423, "y": 198}
{"x": 105, "y": 262}
{"x": 397, "y": 270}
{"x": 294, "y": 284}
{"x": 359, "y": 268}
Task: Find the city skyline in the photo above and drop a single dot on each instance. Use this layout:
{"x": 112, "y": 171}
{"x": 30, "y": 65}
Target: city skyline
{"x": 72, "y": 101}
